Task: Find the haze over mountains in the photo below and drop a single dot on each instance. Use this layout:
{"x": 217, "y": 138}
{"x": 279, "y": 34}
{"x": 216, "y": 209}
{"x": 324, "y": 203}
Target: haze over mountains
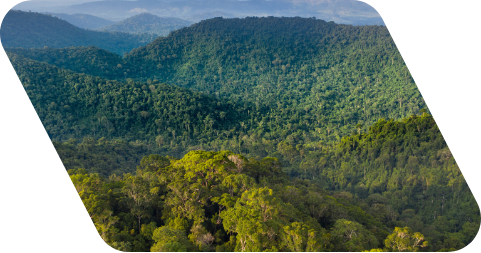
{"x": 35, "y": 30}
{"x": 339, "y": 11}
{"x": 138, "y": 24}
{"x": 83, "y": 20}
{"x": 147, "y": 23}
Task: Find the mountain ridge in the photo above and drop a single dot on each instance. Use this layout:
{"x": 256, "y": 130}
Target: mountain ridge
{"x": 147, "y": 23}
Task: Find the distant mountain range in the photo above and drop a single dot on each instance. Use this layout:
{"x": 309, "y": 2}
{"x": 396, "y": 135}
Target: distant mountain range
{"x": 147, "y": 23}
{"x": 83, "y": 20}
{"x": 36, "y": 30}
{"x": 340, "y": 11}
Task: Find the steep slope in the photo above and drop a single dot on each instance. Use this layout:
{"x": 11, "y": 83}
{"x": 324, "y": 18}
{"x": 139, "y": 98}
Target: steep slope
{"x": 35, "y": 30}
{"x": 147, "y": 23}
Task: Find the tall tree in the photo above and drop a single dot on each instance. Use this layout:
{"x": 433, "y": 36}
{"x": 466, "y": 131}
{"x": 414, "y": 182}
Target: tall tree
{"x": 139, "y": 196}
{"x": 404, "y": 239}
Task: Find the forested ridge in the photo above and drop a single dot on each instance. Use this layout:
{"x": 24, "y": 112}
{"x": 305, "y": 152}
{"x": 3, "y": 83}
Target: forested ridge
{"x": 255, "y": 134}
{"x": 73, "y": 105}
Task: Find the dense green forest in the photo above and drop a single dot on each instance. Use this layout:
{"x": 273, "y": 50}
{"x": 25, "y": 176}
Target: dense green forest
{"x": 255, "y": 134}
{"x": 35, "y": 30}
{"x": 222, "y": 201}
{"x": 319, "y": 79}
{"x": 147, "y": 23}
{"x": 102, "y": 156}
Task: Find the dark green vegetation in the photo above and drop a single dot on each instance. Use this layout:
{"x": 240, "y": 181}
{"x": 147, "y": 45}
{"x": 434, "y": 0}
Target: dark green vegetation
{"x": 35, "y": 30}
{"x": 147, "y": 23}
{"x": 83, "y": 20}
{"x": 300, "y": 80}
{"x": 102, "y": 156}
{"x": 331, "y": 144}
{"x": 73, "y": 105}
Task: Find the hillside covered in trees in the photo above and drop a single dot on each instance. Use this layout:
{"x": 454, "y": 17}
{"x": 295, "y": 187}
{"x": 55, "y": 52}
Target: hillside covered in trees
{"x": 35, "y": 30}
{"x": 255, "y": 134}
{"x": 147, "y": 23}
{"x": 310, "y": 92}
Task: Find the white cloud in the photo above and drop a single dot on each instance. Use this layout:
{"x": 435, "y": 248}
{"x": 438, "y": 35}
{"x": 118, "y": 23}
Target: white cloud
{"x": 139, "y": 10}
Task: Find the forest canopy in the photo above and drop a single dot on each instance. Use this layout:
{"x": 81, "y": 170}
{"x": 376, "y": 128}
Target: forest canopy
{"x": 222, "y": 201}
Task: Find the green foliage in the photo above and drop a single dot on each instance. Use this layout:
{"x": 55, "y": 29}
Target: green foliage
{"x": 256, "y": 218}
{"x": 404, "y": 239}
{"x": 152, "y": 163}
{"x": 122, "y": 246}
{"x": 300, "y": 238}
{"x": 102, "y": 156}
{"x": 375, "y": 250}
{"x": 352, "y": 236}
{"x": 179, "y": 224}
{"x": 170, "y": 240}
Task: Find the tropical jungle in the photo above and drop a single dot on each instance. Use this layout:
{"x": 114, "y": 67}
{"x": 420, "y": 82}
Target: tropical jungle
{"x": 252, "y": 134}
